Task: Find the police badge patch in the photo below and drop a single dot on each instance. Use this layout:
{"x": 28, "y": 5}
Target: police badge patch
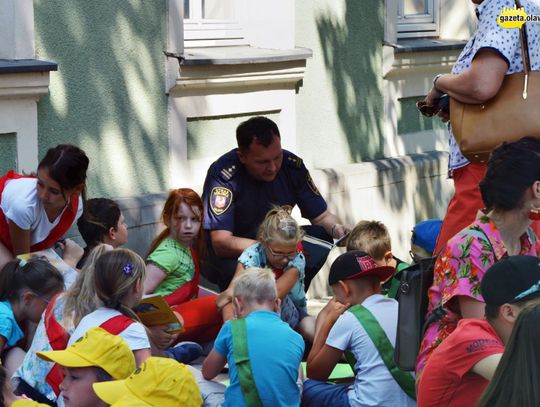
{"x": 220, "y": 199}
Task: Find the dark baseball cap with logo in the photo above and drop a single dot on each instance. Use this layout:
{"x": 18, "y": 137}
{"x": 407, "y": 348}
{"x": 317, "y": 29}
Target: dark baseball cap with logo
{"x": 511, "y": 279}
{"x": 356, "y": 264}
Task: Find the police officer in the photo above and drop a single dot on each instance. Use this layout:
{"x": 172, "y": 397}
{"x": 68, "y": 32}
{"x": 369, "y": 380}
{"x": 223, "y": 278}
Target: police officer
{"x": 242, "y": 185}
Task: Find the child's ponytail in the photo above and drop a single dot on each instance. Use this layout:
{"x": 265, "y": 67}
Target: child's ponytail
{"x": 36, "y": 275}
{"x": 279, "y": 226}
{"x": 117, "y": 271}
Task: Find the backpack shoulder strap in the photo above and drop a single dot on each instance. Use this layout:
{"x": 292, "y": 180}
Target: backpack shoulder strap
{"x": 384, "y": 347}
{"x": 243, "y": 365}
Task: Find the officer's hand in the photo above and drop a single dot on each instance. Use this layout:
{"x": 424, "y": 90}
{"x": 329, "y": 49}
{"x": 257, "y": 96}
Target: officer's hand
{"x": 339, "y": 232}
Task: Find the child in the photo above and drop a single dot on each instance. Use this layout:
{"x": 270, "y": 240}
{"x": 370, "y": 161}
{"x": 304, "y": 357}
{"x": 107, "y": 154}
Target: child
{"x": 26, "y": 287}
{"x": 173, "y": 266}
{"x": 356, "y": 279}
{"x": 97, "y": 356}
{"x": 37, "y": 211}
{"x": 37, "y": 378}
{"x": 424, "y": 238}
{"x": 118, "y": 285}
{"x": 158, "y": 382}
{"x": 279, "y": 237}
{"x": 272, "y": 350}
{"x": 101, "y": 222}
{"x": 372, "y": 237}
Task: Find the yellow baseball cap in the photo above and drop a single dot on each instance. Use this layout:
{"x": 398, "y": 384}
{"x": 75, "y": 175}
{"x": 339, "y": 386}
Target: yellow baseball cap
{"x": 98, "y": 348}
{"x": 159, "y": 382}
{"x": 29, "y": 403}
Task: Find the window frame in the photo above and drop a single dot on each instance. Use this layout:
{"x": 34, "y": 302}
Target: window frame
{"x": 205, "y": 32}
{"x": 418, "y": 25}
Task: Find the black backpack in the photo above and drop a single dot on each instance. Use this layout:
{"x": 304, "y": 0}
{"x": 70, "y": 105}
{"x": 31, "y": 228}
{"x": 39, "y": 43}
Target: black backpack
{"x": 415, "y": 281}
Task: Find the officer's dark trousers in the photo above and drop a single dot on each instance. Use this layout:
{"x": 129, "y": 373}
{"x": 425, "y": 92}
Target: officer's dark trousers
{"x": 220, "y": 270}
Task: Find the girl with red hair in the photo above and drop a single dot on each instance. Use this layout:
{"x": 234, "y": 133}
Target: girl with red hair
{"x": 173, "y": 265}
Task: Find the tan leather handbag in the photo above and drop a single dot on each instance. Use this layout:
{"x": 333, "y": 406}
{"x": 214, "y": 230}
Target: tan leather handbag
{"x": 512, "y": 114}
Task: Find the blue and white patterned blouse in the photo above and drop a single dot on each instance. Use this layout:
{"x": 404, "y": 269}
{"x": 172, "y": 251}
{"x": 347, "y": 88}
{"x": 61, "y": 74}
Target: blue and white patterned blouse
{"x": 255, "y": 256}
{"x": 506, "y": 41}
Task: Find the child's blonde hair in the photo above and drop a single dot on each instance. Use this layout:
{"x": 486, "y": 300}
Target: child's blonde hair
{"x": 255, "y": 285}
{"x": 118, "y": 271}
{"x": 81, "y": 299}
{"x": 279, "y": 226}
{"x": 370, "y": 236}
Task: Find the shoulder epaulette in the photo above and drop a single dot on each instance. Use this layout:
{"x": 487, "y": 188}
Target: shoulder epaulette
{"x": 292, "y": 160}
{"x": 228, "y": 172}
{"x": 227, "y": 165}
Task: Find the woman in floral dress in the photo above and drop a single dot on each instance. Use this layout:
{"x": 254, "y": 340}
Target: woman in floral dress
{"x": 511, "y": 194}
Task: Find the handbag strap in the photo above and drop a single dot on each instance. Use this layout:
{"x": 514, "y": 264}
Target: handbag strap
{"x": 524, "y": 52}
{"x": 243, "y": 365}
{"x": 384, "y": 347}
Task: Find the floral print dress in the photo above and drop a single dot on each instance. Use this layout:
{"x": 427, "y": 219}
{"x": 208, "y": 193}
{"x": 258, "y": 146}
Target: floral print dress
{"x": 459, "y": 271}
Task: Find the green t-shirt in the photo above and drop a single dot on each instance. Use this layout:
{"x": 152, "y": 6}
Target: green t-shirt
{"x": 176, "y": 261}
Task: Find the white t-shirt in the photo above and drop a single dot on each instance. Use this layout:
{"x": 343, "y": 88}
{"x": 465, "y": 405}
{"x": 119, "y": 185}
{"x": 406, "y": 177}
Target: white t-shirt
{"x": 374, "y": 385}
{"x": 22, "y": 206}
{"x": 135, "y": 334}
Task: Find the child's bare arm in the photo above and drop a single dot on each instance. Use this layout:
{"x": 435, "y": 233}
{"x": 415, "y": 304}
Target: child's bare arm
{"x": 213, "y": 364}
{"x": 323, "y": 358}
{"x": 154, "y": 276}
{"x": 224, "y": 300}
{"x": 287, "y": 281}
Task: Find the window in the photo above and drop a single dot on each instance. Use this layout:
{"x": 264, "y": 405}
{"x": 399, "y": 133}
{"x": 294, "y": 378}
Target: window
{"x": 417, "y": 18}
{"x": 210, "y": 23}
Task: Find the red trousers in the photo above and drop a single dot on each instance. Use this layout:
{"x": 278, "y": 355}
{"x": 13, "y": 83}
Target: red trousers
{"x": 202, "y": 319}
{"x": 465, "y": 203}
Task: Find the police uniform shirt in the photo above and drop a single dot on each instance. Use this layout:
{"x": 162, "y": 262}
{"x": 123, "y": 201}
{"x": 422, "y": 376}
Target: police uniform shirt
{"x": 235, "y": 201}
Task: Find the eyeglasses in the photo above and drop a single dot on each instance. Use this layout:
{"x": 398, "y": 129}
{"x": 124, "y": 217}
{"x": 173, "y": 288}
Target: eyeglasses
{"x": 531, "y": 290}
{"x": 288, "y": 256}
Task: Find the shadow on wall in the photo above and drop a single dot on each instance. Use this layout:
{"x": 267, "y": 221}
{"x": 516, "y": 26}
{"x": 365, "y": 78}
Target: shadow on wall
{"x": 398, "y": 191}
{"x": 108, "y": 95}
{"x": 352, "y": 51}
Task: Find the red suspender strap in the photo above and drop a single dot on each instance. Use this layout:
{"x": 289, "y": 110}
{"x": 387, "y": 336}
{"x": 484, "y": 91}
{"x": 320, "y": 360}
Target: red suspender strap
{"x": 66, "y": 220}
{"x": 188, "y": 290}
{"x": 197, "y": 273}
{"x": 4, "y": 229}
{"x": 58, "y": 339}
{"x": 117, "y": 324}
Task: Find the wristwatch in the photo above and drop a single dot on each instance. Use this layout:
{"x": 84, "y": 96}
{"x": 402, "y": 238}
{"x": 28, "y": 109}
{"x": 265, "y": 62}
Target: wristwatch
{"x": 435, "y": 83}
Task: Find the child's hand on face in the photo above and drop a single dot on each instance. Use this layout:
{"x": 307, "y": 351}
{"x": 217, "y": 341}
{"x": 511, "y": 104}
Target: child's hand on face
{"x": 334, "y": 309}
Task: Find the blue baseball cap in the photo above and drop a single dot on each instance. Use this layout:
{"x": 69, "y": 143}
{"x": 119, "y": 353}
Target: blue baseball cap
{"x": 425, "y": 234}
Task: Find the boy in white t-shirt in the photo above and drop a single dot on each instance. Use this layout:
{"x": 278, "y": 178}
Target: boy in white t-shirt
{"x": 343, "y": 325}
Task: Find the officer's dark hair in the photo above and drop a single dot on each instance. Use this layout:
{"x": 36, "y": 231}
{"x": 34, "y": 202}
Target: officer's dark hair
{"x": 512, "y": 169}
{"x": 259, "y": 129}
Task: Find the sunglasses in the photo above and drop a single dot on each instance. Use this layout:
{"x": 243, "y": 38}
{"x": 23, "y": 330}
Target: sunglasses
{"x": 432, "y": 110}
{"x": 531, "y": 290}
{"x": 427, "y": 110}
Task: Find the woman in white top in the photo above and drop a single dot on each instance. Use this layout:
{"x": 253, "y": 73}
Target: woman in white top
{"x": 36, "y": 211}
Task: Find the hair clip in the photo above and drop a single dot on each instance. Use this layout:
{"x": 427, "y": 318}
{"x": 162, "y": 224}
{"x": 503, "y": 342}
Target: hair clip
{"x": 286, "y": 225}
{"x": 128, "y": 269}
{"x": 22, "y": 262}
